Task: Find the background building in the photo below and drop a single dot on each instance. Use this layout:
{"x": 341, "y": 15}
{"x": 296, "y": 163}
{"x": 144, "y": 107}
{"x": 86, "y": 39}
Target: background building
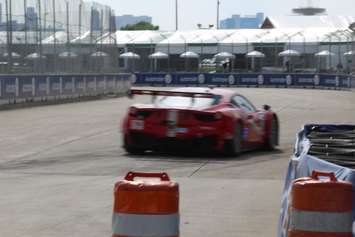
{"x": 242, "y": 22}
{"x": 122, "y": 21}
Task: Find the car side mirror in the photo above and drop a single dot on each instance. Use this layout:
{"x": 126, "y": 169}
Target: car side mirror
{"x": 267, "y": 107}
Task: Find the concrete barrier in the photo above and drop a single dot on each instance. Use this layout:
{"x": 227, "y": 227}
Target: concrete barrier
{"x": 16, "y": 89}
{"x": 329, "y": 81}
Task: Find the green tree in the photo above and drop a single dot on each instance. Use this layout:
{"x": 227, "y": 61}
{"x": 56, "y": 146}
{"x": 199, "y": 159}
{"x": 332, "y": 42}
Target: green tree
{"x": 141, "y": 26}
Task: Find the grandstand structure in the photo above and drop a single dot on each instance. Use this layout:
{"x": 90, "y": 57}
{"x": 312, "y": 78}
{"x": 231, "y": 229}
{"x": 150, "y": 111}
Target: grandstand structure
{"x": 60, "y": 36}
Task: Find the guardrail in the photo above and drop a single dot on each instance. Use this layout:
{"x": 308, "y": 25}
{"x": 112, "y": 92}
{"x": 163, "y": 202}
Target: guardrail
{"x": 245, "y": 80}
{"x": 24, "y": 88}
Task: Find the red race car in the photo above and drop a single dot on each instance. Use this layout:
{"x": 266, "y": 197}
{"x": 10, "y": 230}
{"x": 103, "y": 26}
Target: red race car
{"x": 198, "y": 119}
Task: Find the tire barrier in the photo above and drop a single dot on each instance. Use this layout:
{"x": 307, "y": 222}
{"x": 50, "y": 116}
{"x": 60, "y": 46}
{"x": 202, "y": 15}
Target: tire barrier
{"x": 337, "y": 147}
{"x": 245, "y": 80}
{"x": 18, "y": 89}
{"x": 321, "y": 207}
{"x": 143, "y": 208}
{"x": 325, "y": 147}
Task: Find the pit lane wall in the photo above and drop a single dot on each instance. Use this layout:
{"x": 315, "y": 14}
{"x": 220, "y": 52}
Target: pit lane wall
{"x": 327, "y": 81}
{"x": 32, "y": 88}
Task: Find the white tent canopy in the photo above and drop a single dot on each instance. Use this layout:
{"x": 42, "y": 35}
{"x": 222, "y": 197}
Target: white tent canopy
{"x": 224, "y": 55}
{"x": 189, "y": 54}
{"x": 13, "y": 55}
{"x": 159, "y": 55}
{"x": 67, "y": 55}
{"x": 130, "y": 55}
{"x": 99, "y": 54}
{"x": 324, "y": 53}
{"x": 255, "y": 54}
{"x": 350, "y": 53}
{"x": 34, "y": 56}
{"x": 290, "y": 53}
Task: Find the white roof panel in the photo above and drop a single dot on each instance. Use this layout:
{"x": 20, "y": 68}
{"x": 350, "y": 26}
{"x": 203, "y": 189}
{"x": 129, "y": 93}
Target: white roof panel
{"x": 296, "y": 21}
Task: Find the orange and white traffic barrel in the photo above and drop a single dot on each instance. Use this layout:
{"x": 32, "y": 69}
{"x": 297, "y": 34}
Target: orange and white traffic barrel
{"x": 321, "y": 207}
{"x": 145, "y": 208}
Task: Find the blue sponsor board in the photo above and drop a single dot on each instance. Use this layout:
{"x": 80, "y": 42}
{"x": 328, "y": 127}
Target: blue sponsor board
{"x": 306, "y": 80}
{"x": 125, "y": 77}
{"x": 329, "y": 81}
{"x": 55, "y": 87}
{"x": 101, "y": 83}
{"x": 90, "y": 84}
{"x": 110, "y": 83}
{"x": 26, "y": 89}
{"x": 12, "y": 87}
{"x": 68, "y": 83}
{"x": 221, "y": 79}
{"x": 9, "y": 87}
{"x": 153, "y": 79}
{"x": 40, "y": 86}
{"x": 277, "y": 80}
{"x": 345, "y": 81}
{"x": 80, "y": 84}
{"x": 250, "y": 80}
{"x": 1, "y": 89}
{"x": 189, "y": 79}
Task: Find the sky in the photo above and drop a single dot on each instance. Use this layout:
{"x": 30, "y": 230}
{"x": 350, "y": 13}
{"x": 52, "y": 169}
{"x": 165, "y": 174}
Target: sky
{"x": 192, "y": 12}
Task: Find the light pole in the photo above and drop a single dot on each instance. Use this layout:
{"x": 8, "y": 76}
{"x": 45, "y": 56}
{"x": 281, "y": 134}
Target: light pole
{"x": 176, "y": 15}
{"x": 40, "y": 34}
{"x": 185, "y": 46}
{"x": 218, "y": 4}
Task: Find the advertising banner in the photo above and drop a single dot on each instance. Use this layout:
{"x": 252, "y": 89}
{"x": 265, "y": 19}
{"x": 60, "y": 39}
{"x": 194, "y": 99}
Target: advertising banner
{"x": 221, "y": 79}
{"x": 101, "y": 84}
{"x": 90, "y": 84}
{"x": 252, "y": 80}
{"x": 110, "y": 84}
{"x": 80, "y": 84}
{"x": 1, "y": 89}
{"x": 41, "y": 87}
{"x": 9, "y": 87}
{"x": 26, "y": 87}
{"x": 55, "y": 85}
{"x": 68, "y": 85}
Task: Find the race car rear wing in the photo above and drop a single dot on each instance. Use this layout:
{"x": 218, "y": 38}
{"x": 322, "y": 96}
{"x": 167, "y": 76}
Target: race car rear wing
{"x": 154, "y": 93}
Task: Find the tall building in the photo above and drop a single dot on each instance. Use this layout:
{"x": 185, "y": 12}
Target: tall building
{"x": 96, "y": 20}
{"x": 242, "y": 22}
{"x": 32, "y": 18}
{"x": 122, "y": 21}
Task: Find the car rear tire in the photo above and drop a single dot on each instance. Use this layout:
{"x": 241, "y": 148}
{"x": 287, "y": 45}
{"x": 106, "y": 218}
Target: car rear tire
{"x": 233, "y": 147}
{"x": 131, "y": 149}
{"x": 273, "y": 138}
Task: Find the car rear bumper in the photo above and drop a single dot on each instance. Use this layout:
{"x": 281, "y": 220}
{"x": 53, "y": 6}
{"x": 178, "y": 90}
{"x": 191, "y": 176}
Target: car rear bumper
{"x": 193, "y": 143}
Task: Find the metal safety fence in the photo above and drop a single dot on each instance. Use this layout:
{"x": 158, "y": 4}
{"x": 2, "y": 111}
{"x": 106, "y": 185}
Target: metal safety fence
{"x": 245, "y": 80}
{"x": 18, "y": 89}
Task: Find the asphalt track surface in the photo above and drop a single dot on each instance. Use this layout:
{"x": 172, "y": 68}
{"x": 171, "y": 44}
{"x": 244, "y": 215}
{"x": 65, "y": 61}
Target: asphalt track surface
{"x": 58, "y": 165}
